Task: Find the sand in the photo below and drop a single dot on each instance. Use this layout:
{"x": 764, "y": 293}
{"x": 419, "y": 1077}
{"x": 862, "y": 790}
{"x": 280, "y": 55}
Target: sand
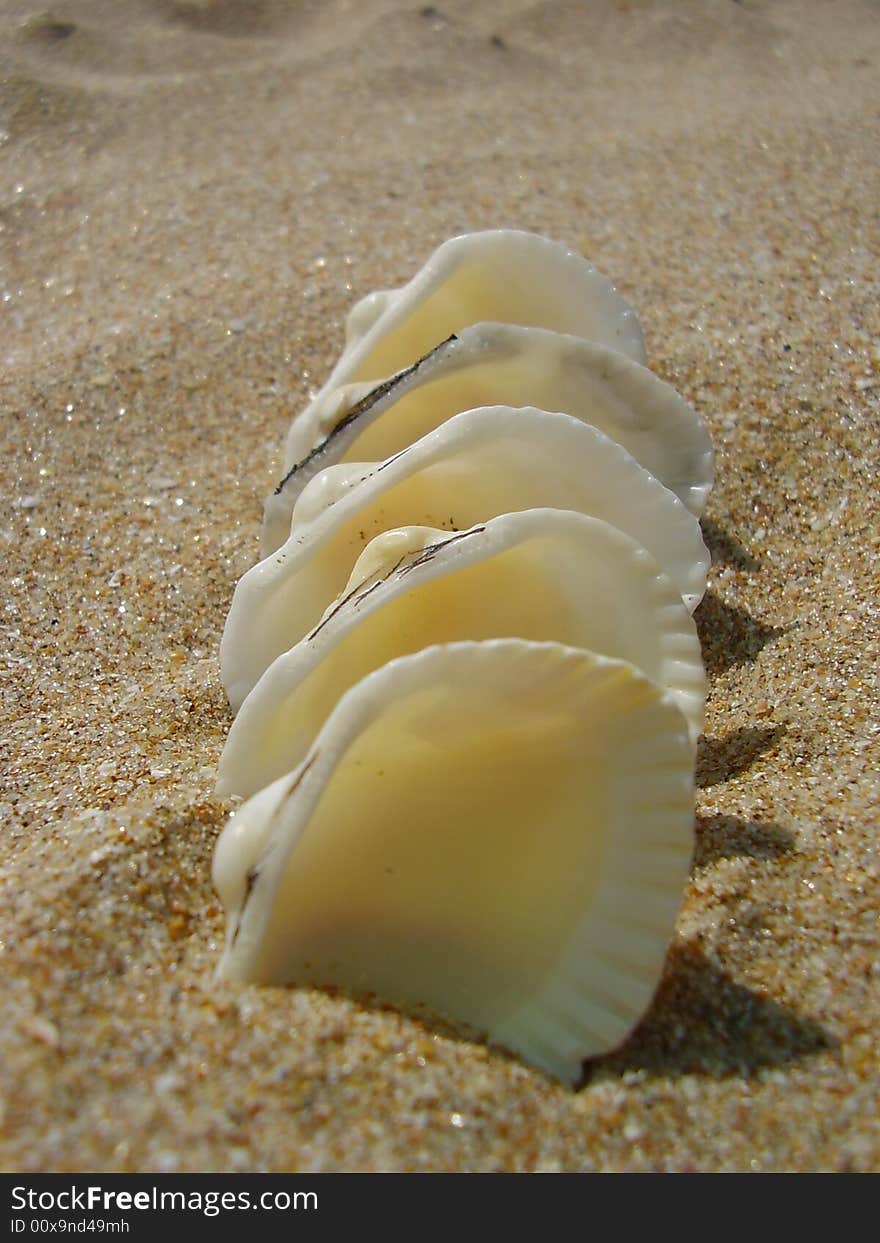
{"x": 191, "y": 196}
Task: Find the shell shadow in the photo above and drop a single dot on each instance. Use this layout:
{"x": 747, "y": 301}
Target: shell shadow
{"x": 726, "y": 548}
{"x": 727, "y": 837}
{"x": 729, "y": 635}
{"x": 719, "y": 759}
{"x": 703, "y": 1022}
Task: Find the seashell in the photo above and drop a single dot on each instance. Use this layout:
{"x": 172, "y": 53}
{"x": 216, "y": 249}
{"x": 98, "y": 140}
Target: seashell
{"x": 475, "y": 466}
{"x": 499, "y": 831}
{"x": 498, "y": 274}
{"x": 492, "y": 364}
{"x": 468, "y": 753}
{"x": 542, "y": 574}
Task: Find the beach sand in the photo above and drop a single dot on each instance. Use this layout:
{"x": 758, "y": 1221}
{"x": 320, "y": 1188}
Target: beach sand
{"x": 191, "y": 197}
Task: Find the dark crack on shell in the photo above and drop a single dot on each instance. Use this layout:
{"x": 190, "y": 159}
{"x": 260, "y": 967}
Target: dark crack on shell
{"x": 431, "y": 550}
{"x": 362, "y": 407}
{"x": 256, "y": 872}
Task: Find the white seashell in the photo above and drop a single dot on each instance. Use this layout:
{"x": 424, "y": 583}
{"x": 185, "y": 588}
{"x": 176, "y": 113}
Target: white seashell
{"x": 499, "y": 274}
{"x": 477, "y": 465}
{"x": 543, "y": 574}
{"x": 500, "y": 364}
{"x": 499, "y": 831}
{"x": 471, "y": 774}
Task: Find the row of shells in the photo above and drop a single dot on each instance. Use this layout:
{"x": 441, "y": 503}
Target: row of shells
{"x": 466, "y": 678}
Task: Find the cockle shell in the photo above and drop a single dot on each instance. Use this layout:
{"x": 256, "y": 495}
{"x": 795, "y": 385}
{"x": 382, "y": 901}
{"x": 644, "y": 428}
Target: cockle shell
{"x": 490, "y": 364}
{"x": 500, "y": 831}
{"x": 542, "y": 574}
{"x": 498, "y": 274}
{"x": 475, "y": 466}
{"x": 468, "y": 682}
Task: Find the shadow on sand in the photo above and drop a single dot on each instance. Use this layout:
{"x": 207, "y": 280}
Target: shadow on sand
{"x": 729, "y": 837}
{"x": 719, "y": 759}
{"x": 726, "y": 548}
{"x": 703, "y": 1022}
{"x": 729, "y": 635}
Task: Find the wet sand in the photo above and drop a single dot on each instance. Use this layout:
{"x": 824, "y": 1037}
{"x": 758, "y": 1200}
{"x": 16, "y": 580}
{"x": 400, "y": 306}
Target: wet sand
{"x": 191, "y": 196}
